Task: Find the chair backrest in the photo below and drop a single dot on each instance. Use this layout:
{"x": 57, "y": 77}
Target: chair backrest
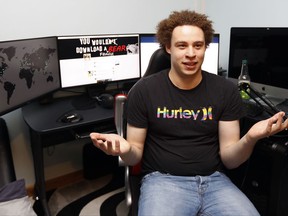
{"x": 159, "y": 60}
{"x": 7, "y": 172}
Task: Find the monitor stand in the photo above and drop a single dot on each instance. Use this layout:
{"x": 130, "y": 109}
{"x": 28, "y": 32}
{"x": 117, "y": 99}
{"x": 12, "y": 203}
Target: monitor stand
{"x": 83, "y": 102}
{"x": 95, "y": 90}
{"x": 89, "y": 100}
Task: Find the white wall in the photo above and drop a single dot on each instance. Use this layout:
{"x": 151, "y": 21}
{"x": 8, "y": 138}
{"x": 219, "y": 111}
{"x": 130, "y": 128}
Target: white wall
{"x": 32, "y": 18}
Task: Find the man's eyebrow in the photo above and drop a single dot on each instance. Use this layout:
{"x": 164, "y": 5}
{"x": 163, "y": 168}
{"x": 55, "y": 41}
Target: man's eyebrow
{"x": 200, "y": 41}
{"x": 180, "y": 42}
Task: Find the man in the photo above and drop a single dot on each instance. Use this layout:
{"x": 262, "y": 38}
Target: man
{"x": 183, "y": 124}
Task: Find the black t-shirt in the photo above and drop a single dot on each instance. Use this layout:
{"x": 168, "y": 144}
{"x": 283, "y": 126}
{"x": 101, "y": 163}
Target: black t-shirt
{"x": 182, "y": 137}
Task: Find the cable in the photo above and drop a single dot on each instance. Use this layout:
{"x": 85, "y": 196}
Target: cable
{"x": 250, "y": 91}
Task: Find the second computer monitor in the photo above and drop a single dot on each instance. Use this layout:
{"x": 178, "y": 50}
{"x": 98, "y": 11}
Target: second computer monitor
{"x": 29, "y": 70}
{"x": 91, "y": 59}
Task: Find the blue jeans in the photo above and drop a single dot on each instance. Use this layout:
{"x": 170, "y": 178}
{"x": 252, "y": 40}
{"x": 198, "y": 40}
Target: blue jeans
{"x": 214, "y": 195}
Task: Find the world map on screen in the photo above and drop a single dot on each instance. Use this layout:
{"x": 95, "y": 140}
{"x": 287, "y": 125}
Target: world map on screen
{"x": 20, "y": 65}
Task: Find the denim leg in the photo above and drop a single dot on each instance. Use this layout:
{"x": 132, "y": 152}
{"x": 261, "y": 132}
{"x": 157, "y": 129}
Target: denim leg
{"x": 223, "y": 198}
{"x": 215, "y": 195}
{"x": 167, "y": 195}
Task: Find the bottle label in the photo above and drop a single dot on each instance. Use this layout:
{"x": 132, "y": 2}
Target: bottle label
{"x": 244, "y": 95}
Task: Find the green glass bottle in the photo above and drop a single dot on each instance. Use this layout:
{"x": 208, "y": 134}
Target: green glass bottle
{"x": 244, "y": 80}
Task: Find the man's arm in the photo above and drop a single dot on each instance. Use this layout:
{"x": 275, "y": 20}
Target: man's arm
{"x": 130, "y": 150}
{"x": 136, "y": 137}
{"x": 233, "y": 150}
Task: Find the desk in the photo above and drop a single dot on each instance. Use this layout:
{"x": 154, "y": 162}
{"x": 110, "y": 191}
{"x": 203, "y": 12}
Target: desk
{"x": 46, "y": 130}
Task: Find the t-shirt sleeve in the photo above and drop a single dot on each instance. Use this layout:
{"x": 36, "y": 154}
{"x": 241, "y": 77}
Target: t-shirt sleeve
{"x": 233, "y": 104}
{"x": 136, "y": 107}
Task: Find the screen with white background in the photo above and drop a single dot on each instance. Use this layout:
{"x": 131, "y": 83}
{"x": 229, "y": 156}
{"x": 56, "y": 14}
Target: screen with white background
{"x": 86, "y": 60}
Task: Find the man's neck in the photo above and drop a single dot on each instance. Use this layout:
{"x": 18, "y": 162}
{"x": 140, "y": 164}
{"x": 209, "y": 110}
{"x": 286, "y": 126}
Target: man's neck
{"x": 185, "y": 82}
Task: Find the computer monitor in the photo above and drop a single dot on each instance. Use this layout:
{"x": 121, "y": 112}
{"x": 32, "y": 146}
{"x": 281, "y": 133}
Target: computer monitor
{"x": 149, "y": 43}
{"x": 28, "y": 69}
{"x": 91, "y": 59}
{"x": 211, "y": 60}
{"x": 265, "y": 49}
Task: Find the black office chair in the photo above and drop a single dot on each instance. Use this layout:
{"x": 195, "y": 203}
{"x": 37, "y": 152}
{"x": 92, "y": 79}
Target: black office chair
{"x": 159, "y": 61}
{"x": 7, "y": 172}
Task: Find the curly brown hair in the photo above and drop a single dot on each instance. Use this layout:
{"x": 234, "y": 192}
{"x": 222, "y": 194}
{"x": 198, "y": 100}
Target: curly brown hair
{"x": 180, "y": 18}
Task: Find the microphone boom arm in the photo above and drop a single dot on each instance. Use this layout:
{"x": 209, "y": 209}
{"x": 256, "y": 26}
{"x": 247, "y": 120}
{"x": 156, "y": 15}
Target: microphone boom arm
{"x": 246, "y": 87}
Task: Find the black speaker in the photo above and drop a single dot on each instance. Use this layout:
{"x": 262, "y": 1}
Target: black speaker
{"x": 264, "y": 177}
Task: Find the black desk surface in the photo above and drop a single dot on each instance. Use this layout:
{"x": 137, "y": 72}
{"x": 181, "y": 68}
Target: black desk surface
{"x": 45, "y": 118}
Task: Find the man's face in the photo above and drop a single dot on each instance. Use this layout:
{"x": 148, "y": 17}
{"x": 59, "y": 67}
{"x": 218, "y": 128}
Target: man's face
{"x": 187, "y": 50}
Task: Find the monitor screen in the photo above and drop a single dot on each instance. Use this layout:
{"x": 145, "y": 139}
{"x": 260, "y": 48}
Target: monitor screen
{"x": 265, "y": 50}
{"x": 28, "y": 69}
{"x": 211, "y": 60}
{"x": 86, "y": 60}
{"x": 149, "y": 43}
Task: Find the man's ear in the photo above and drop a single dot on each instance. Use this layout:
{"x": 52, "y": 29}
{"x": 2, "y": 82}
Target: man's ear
{"x": 168, "y": 50}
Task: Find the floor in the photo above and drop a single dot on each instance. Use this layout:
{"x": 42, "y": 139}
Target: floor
{"x": 71, "y": 193}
